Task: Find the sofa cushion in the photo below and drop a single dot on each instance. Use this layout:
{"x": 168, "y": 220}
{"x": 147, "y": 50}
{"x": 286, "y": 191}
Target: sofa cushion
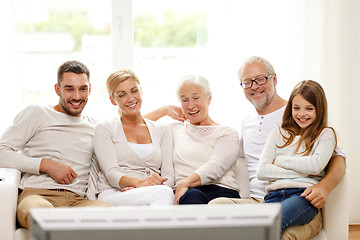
{"x": 93, "y": 178}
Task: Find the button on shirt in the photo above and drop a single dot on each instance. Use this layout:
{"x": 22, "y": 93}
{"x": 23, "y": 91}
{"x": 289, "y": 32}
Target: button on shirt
{"x": 254, "y": 132}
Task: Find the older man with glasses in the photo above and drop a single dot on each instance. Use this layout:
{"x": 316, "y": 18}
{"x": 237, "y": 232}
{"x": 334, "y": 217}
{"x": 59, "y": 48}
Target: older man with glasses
{"x": 258, "y": 79}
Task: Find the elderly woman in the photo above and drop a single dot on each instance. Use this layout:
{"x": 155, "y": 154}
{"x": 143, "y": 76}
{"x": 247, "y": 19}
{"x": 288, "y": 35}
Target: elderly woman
{"x": 205, "y": 152}
{"x": 135, "y": 154}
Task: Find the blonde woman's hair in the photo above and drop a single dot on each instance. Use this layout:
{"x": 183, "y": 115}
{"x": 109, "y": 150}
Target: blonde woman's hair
{"x": 118, "y": 77}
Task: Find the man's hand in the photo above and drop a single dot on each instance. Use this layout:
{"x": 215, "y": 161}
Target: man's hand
{"x": 316, "y": 195}
{"x": 60, "y": 172}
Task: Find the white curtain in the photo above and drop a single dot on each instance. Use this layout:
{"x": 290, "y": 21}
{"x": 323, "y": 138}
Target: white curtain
{"x": 9, "y": 89}
{"x": 340, "y": 70}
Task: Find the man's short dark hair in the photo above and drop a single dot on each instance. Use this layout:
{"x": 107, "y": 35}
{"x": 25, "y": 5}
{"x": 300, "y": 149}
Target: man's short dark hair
{"x": 74, "y": 67}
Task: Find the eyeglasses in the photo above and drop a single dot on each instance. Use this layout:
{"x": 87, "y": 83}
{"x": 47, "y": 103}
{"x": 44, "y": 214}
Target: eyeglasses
{"x": 259, "y": 81}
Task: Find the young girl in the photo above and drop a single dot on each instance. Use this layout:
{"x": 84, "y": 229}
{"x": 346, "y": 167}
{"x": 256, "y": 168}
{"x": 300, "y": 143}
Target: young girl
{"x": 295, "y": 155}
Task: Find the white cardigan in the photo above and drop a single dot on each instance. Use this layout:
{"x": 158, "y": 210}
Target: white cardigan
{"x": 117, "y": 158}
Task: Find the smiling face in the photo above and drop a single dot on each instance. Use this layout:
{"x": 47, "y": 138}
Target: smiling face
{"x": 73, "y": 91}
{"x": 259, "y": 95}
{"x": 127, "y": 96}
{"x": 303, "y": 112}
{"x": 195, "y": 104}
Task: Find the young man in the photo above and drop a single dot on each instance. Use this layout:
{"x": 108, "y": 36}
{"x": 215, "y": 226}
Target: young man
{"x": 52, "y": 147}
{"x": 259, "y": 80}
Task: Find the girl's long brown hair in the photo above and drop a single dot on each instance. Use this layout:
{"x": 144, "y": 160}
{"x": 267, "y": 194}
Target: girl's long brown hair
{"x": 312, "y": 92}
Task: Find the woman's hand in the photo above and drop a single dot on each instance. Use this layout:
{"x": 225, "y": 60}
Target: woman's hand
{"x": 175, "y": 112}
{"x": 126, "y": 189}
{"x": 181, "y": 189}
{"x": 153, "y": 179}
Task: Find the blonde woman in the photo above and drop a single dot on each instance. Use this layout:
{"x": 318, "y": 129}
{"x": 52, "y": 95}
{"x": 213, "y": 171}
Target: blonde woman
{"x": 134, "y": 154}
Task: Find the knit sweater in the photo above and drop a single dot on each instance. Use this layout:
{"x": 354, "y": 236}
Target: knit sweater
{"x": 284, "y": 168}
{"x": 209, "y": 151}
{"x": 41, "y": 132}
{"x": 117, "y": 158}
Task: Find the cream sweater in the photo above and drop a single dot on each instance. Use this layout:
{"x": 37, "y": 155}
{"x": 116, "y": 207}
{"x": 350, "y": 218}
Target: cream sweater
{"x": 209, "y": 151}
{"x": 284, "y": 168}
{"x": 41, "y": 132}
{"x": 117, "y": 158}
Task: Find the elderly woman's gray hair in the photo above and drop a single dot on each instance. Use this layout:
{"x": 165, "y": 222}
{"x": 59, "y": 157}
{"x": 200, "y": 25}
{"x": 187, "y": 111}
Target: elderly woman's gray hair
{"x": 196, "y": 79}
{"x": 269, "y": 67}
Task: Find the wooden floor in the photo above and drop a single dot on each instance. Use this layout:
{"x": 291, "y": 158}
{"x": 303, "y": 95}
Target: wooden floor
{"x": 354, "y": 232}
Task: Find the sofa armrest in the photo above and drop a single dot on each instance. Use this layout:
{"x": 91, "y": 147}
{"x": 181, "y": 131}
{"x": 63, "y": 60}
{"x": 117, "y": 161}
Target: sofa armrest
{"x": 9, "y": 183}
{"x": 336, "y": 212}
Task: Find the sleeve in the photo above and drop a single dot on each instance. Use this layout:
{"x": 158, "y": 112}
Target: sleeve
{"x": 223, "y": 157}
{"x": 106, "y": 154}
{"x": 25, "y": 126}
{"x": 167, "y": 167}
{"x": 267, "y": 171}
{"x": 316, "y": 162}
{"x": 339, "y": 152}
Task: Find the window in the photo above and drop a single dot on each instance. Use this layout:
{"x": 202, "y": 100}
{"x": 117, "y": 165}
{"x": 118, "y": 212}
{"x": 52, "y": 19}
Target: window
{"x": 50, "y": 32}
{"x": 162, "y": 40}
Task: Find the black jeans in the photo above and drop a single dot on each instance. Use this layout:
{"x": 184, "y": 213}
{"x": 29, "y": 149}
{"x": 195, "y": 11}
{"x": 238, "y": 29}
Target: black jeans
{"x": 204, "y": 194}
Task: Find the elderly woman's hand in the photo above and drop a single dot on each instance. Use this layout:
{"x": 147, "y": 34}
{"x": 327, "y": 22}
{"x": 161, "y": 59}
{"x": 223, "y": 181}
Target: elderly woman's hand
{"x": 180, "y": 191}
{"x": 175, "y": 112}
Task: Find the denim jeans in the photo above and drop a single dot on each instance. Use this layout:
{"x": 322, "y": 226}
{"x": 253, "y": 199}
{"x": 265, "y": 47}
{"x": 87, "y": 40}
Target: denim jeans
{"x": 295, "y": 210}
{"x": 204, "y": 194}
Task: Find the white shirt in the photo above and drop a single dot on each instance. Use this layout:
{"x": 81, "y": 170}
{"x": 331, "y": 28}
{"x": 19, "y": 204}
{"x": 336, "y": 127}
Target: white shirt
{"x": 255, "y": 130}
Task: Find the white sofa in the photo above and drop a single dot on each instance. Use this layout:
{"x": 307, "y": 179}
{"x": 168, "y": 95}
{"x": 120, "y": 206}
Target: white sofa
{"x": 335, "y": 213}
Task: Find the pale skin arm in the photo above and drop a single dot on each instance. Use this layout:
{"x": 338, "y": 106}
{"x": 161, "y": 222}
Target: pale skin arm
{"x": 169, "y": 110}
{"x": 154, "y": 179}
{"x": 60, "y": 172}
{"x": 191, "y": 181}
{"x": 318, "y": 193}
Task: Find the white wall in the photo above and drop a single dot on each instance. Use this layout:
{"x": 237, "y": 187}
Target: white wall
{"x": 9, "y": 89}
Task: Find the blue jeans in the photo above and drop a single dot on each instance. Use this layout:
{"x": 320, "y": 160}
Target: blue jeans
{"x": 204, "y": 194}
{"x": 295, "y": 210}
